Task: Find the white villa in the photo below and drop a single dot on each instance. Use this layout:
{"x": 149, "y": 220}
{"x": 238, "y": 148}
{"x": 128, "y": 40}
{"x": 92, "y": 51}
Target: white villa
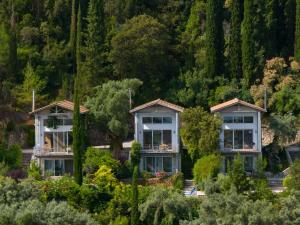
{"x": 53, "y": 137}
{"x": 241, "y": 132}
{"x": 157, "y": 130}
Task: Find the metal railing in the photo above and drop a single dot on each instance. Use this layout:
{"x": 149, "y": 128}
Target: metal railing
{"x": 157, "y": 147}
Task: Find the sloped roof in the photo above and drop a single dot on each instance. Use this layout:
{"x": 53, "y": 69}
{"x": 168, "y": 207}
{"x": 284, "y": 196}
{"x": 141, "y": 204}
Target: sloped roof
{"x": 65, "y": 104}
{"x": 158, "y": 102}
{"x": 233, "y": 102}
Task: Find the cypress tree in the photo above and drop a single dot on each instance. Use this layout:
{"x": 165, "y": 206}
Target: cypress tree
{"x": 289, "y": 14}
{"x": 214, "y": 38}
{"x": 94, "y": 42}
{"x": 12, "y": 52}
{"x": 248, "y": 43}
{"x": 235, "y": 43}
{"x": 297, "y": 32}
{"x": 72, "y": 40}
{"x": 78, "y": 134}
{"x": 134, "y": 217}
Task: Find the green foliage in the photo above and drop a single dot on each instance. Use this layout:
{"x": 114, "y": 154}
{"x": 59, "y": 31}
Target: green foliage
{"x": 292, "y": 181}
{"x": 214, "y": 38}
{"x": 238, "y": 175}
{"x": 200, "y": 132}
{"x": 105, "y": 179}
{"x": 297, "y": 32}
{"x": 134, "y": 213}
{"x": 177, "y": 180}
{"x": 34, "y": 171}
{"x": 145, "y": 57}
{"x": 207, "y": 167}
{"x": 110, "y": 106}
{"x": 11, "y": 156}
{"x": 135, "y": 154}
{"x": 95, "y": 158}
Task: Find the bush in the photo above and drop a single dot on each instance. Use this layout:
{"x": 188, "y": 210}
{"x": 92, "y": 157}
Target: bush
{"x": 94, "y": 158}
{"x": 135, "y": 153}
{"x": 11, "y": 156}
{"x": 207, "y": 167}
{"x": 292, "y": 181}
{"x": 34, "y": 171}
{"x": 177, "y": 180}
{"x": 105, "y": 179}
{"x": 146, "y": 175}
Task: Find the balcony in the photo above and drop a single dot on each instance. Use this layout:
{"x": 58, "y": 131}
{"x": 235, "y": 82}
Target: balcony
{"x": 66, "y": 151}
{"x": 162, "y": 148}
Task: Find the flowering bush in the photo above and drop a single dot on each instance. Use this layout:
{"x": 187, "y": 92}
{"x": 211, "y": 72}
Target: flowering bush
{"x": 161, "y": 175}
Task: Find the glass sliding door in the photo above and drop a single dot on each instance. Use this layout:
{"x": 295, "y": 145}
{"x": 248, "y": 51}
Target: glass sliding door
{"x": 238, "y": 139}
{"x": 157, "y": 139}
{"x": 167, "y": 162}
{"x": 147, "y": 139}
{"x": 158, "y": 164}
{"x": 167, "y": 138}
{"x": 228, "y": 139}
{"x": 248, "y": 139}
{"x": 49, "y": 167}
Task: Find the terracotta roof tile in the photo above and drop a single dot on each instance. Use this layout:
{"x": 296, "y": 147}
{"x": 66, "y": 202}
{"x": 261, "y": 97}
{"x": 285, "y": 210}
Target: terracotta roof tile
{"x": 158, "y": 102}
{"x": 233, "y": 102}
{"x": 65, "y": 104}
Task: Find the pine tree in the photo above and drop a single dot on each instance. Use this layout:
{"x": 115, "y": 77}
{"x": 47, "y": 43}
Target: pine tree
{"x": 134, "y": 217}
{"x": 78, "y": 135}
{"x": 297, "y": 32}
{"x": 214, "y": 38}
{"x": 235, "y": 43}
{"x": 94, "y": 43}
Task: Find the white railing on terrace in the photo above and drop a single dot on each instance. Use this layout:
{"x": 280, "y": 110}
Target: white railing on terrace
{"x": 157, "y": 147}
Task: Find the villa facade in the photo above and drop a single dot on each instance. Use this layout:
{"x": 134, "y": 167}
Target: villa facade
{"x": 157, "y": 130}
{"x": 240, "y": 132}
{"x": 53, "y": 138}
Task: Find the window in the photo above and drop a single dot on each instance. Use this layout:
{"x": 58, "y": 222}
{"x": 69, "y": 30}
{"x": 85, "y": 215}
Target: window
{"x": 238, "y": 119}
{"x": 147, "y": 139}
{"x": 238, "y": 139}
{"x": 153, "y": 139}
{"x": 248, "y": 163}
{"x": 157, "y": 119}
{"x": 156, "y": 164}
{"x": 167, "y": 119}
{"x": 58, "y": 167}
{"x": 147, "y": 120}
{"x": 228, "y": 139}
{"x": 228, "y": 119}
{"x": 248, "y": 119}
{"x": 49, "y": 167}
{"x": 248, "y": 139}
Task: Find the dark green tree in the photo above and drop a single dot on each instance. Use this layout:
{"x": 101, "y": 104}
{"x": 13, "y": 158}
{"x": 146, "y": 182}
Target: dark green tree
{"x": 134, "y": 213}
{"x": 214, "y": 38}
{"x": 95, "y": 37}
{"x": 289, "y": 15}
{"x": 297, "y": 32}
{"x": 235, "y": 43}
{"x": 135, "y": 154}
{"x": 238, "y": 175}
{"x": 72, "y": 38}
{"x": 78, "y": 132}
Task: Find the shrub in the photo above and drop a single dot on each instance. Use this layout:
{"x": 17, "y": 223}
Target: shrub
{"x": 161, "y": 175}
{"x": 146, "y": 175}
{"x": 105, "y": 179}
{"x": 12, "y": 156}
{"x": 125, "y": 170}
{"x": 34, "y": 171}
{"x": 3, "y": 169}
{"x": 16, "y": 174}
{"x": 94, "y": 158}
{"x": 207, "y": 167}
{"x": 292, "y": 181}
{"x": 135, "y": 153}
{"x": 177, "y": 180}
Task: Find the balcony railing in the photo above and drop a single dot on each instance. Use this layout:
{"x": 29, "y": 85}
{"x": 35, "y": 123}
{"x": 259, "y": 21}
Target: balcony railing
{"x": 160, "y": 147}
{"x": 53, "y": 151}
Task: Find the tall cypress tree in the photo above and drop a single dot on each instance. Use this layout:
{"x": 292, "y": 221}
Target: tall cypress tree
{"x": 289, "y": 14}
{"x": 248, "y": 42}
{"x": 12, "y": 52}
{"x": 134, "y": 217}
{"x": 297, "y": 32}
{"x": 78, "y": 134}
{"x": 214, "y": 38}
{"x": 72, "y": 40}
{"x": 94, "y": 43}
{"x": 235, "y": 43}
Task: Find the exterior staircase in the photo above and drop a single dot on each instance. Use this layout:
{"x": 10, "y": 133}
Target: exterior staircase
{"x": 189, "y": 188}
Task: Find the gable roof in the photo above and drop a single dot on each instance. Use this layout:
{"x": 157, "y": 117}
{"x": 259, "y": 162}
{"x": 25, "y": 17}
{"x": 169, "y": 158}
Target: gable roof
{"x": 158, "y": 102}
{"x": 233, "y": 102}
{"x": 65, "y": 104}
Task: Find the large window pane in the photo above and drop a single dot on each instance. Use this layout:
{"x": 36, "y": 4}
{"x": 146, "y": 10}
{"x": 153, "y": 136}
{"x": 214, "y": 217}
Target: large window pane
{"x": 167, "y": 119}
{"x": 69, "y": 167}
{"x": 158, "y": 164}
{"x": 157, "y": 139}
{"x": 157, "y": 119}
{"x": 167, "y": 138}
{"x": 49, "y": 167}
{"x": 228, "y": 139}
{"x": 238, "y": 139}
{"x": 248, "y": 119}
{"x": 248, "y": 139}
{"x": 147, "y": 120}
{"x": 248, "y": 163}
{"x": 59, "y": 167}
{"x": 147, "y": 139}
{"x": 167, "y": 161}
{"x": 149, "y": 164}
{"x": 228, "y": 119}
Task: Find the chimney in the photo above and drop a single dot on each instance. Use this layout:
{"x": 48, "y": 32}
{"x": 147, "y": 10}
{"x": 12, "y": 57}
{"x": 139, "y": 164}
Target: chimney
{"x": 33, "y": 100}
